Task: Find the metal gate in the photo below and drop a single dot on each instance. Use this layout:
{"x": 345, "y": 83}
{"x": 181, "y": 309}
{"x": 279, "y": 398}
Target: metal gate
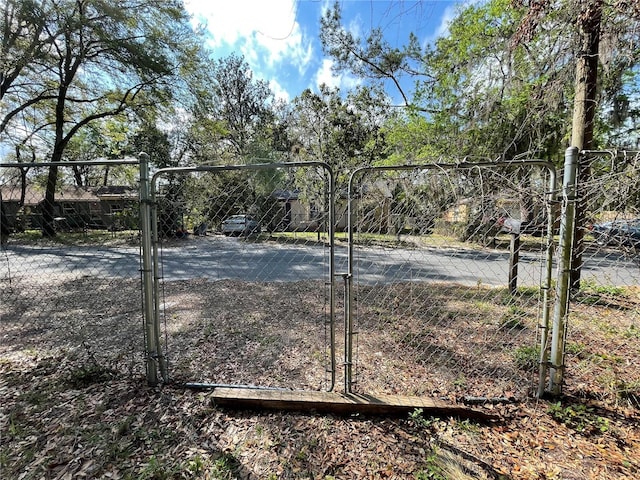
{"x": 450, "y": 267}
{"x": 243, "y": 266}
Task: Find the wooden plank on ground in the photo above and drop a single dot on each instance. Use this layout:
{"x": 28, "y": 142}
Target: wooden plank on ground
{"x": 339, "y": 403}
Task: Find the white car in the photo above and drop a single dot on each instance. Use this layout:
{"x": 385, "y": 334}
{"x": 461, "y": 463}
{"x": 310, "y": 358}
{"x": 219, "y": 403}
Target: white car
{"x": 240, "y": 225}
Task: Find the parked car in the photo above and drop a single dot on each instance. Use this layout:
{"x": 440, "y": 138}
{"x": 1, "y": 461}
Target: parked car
{"x": 617, "y": 232}
{"x": 240, "y": 225}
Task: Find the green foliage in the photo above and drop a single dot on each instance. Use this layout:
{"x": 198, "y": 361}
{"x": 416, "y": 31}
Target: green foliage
{"x": 514, "y": 318}
{"x": 628, "y": 392}
{"x": 574, "y": 348}
{"x": 597, "y": 289}
{"x": 157, "y": 469}
{"x": 468, "y": 426}
{"x": 497, "y": 83}
{"x": 225, "y": 467}
{"x": 242, "y": 104}
{"x": 527, "y": 357}
{"x": 343, "y": 132}
{"x": 197, "y": 465}
{"x": 579, "y": 417}
{"x": 433, "y": 469}
{"x": 417, "y": 417}
{"x": 632, "y": 332}
{"x": 87, "y": 375}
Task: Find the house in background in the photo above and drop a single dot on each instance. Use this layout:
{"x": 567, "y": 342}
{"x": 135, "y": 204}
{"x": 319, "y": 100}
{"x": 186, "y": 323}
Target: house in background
{"x": 118, "y": 206}
{"x": 107, "y": 207}
{"x": 295, "y": 214}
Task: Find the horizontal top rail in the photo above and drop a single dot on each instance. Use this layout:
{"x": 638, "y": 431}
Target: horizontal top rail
{"x": 460, "y": 166}
{"x": 69, "y": 164}
{"x": 252, "y": 166}
{"x": 222, "y": 168}
{"x": 457, "y": 165}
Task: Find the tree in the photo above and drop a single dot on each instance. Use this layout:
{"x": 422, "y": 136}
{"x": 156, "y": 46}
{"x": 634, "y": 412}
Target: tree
{"x": 242, "y": 104}
{"x": 372, "y": 58}
{"x": 26, "y": 40}
{"x": 501, "y": 83}
{"x": 345, "y": 133}
{"x": 592, "y": 22}
{"x": 102, "y": 58}
{"x": 228, "y": 116}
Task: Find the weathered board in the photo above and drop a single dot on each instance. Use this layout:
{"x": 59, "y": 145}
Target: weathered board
{"x": 340, "y": 403}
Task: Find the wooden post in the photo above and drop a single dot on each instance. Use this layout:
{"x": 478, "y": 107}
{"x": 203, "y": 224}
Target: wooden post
{"x": 514, "y": 250}
{"x": 584, "y": 112}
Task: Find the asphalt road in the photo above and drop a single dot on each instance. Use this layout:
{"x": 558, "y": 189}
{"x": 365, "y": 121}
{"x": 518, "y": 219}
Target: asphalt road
{"x": 218, "y": 257}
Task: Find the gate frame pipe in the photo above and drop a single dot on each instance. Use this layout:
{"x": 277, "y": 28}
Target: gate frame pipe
{"x": 149, "y": 311}
{"x": 255, "y": 166}
{"x": 464, "y": 165}
{"x": 567, "y": 226}
{"x": 543, "y": 366}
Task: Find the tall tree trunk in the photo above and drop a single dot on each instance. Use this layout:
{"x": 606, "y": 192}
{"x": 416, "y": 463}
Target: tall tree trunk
{"x": 5, "y": 228}
{"x": 584, "y": 111}
{"x": 105, "y": 179}
{"x": 48, "y": 206}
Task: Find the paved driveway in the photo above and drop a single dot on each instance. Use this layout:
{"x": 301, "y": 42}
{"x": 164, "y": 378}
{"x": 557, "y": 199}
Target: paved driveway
{"x": 218, "y": 257}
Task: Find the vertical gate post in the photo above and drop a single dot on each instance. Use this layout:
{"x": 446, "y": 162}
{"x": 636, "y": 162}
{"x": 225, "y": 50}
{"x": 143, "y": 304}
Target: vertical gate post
{"x": 567, "y": 224}
{"x": 348, "y": 335}
{"x": 153, "y": 212}
{"x": 546, "y": 286}
{"x": 348, "y": 291}
{"x": 150, "y": 335}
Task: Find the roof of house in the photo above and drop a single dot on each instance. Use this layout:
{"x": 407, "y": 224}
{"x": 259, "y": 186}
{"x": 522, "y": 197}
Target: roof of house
{"x": 13, "y": 193}
{"x": 75, "y": 194}
{"x": 115, "y": 191}
{"x": 285, "y": 194}
{"x": 33, "y": 196}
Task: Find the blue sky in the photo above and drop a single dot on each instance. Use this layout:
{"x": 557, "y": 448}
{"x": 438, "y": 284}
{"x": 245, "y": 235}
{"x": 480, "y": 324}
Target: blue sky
{"x": 280, "y": 38}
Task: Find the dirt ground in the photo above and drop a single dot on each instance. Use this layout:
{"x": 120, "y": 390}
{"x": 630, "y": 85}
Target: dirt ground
{"x": 75, "y": 403}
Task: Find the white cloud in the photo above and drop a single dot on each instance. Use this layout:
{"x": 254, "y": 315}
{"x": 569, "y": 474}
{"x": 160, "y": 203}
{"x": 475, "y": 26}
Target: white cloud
{"x": 448, "y": 16}
{"x": 279, "y": 91}
{"x": 325, "y": 75}
{"x": 265, "y": 32}
{"x": 231, "y": 21}
{"x": 450, "y": 13}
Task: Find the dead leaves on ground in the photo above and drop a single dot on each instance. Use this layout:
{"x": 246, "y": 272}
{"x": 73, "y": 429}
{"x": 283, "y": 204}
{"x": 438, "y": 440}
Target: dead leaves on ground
{"x": 66, "y": 415}
{"x": 123, "y": 429}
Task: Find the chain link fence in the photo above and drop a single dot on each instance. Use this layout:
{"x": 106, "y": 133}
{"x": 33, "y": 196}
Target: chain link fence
{"x": 433, "y": 280}
{"x": 245, "y": 274}
{"x": 603, "y": 341}
{"x": 450, "y": 267}
{"x": 75, "y": 293}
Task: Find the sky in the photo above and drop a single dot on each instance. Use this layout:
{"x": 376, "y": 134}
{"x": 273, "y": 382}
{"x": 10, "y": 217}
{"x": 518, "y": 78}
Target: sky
{"x": 280, "y": 39}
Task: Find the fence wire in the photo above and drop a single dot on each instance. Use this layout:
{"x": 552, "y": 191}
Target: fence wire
{"x": 436, "y": 311}
{"x": 251, "y": 261}
{"x": 77, "y": 291}
{"x": 603, "y": 341}
{"x": 245, "y": 265}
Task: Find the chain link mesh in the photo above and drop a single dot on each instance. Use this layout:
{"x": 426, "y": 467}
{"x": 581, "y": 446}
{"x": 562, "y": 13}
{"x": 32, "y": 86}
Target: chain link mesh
{"x": 245, "y": 268}
{"x": 603, "y": 340}
{"x": 76, "y": 294}
{"x": 248, "y": 292}
{"x": 436, "y": 312}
